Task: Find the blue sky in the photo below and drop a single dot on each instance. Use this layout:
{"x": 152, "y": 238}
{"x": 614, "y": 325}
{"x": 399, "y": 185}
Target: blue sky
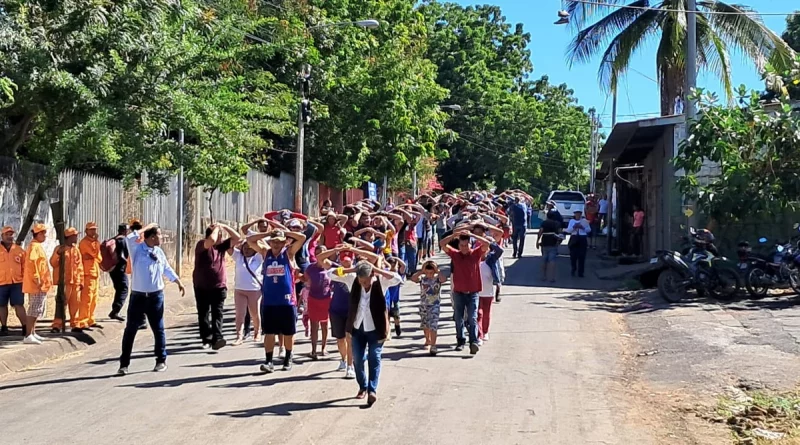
{"x": 638, "y": 94}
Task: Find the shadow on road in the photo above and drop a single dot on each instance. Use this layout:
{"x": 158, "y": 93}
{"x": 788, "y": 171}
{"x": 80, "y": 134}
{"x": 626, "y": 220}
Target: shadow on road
{"x": 284, "y": 409}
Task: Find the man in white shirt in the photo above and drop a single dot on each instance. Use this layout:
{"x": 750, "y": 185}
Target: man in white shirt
{"x": 578, "y": 230}
{"x": 603, "y": 212}
{"x": 367, "y": 321}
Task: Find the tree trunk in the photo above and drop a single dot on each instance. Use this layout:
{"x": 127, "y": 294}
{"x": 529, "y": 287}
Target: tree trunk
{"x": 38, "y": 197}
{"x": 17, "y": 136}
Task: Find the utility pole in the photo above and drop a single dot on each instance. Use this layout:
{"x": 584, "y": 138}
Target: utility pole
{"x": 179, "y": 241}
{"x": 614, "y": 109}
{"x": 691, "y": 56}
{"x": 414, "y": 183}
{"x": 301, "y": 123}
{"x": 593, "y": 151}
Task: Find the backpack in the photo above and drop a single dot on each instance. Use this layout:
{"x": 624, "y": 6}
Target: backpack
{"x": 108, "y": 251}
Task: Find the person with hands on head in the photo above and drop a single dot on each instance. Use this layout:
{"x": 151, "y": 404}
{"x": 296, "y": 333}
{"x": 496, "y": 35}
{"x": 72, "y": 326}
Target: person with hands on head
{"x": 211, "y": 283}
{"x": 467, "y": 283}
{"x": 149, "y": 266}
{"x": 73, "y": 279}
{"x": 430, "y": 281}
{"x": 278, "y": 300}
{"x": 367, "y": 321}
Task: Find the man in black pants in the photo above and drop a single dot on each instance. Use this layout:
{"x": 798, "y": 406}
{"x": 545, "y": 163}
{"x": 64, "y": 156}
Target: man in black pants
{"x": 118, "y": 274}
{"x": 210, "y": 282}
{"x": 578, "y": 229}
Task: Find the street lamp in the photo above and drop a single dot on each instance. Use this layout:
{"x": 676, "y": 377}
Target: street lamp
{"x": 304, "y": 108}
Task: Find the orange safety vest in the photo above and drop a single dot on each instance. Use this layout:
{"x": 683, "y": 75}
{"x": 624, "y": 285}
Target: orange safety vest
{"x": 90, "y": 251}
{"x": 11, "y": 264}
{"x": 36, "y": 266}
{"x": 73, "y": 272}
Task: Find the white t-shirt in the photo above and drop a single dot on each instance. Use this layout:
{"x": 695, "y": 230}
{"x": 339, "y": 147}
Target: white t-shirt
{"x": 245, "y": 280}
{"x": 486, "y": 278}
{"x": 603, "y": 206}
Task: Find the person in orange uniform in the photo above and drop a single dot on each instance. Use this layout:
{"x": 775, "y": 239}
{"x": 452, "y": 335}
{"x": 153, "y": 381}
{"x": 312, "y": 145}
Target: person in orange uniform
{"x": 36, "y": 281}
{"x": 90, "y": 252}
{"x": 12, "y": 258}
{"x": 73, "y": 278}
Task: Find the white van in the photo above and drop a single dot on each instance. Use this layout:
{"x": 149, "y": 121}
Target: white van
{"x": 567, "y": 202}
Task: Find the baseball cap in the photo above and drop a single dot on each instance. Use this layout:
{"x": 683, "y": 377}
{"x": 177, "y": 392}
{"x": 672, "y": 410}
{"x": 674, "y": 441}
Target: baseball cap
{"x": 7, "y": 229}
{"x": 39, "y": 228}
{"x": 294, "y": 223}
{"x": 70, "y": 231}
{"x": 91, "y": 225}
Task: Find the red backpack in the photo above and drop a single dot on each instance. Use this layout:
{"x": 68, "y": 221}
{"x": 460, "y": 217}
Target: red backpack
{"x": 108, "y": 250}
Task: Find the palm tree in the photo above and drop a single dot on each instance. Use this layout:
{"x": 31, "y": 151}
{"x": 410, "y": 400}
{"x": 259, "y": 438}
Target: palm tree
{"x": 621, "y": 31}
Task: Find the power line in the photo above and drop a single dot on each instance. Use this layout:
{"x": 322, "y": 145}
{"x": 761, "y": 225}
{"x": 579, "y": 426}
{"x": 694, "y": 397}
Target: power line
{"x": 650, "y": 8}
{"x": 548, "y": 162}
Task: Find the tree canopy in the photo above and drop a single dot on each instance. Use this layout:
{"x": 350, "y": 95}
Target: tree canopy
{"x": 106, "y": 86}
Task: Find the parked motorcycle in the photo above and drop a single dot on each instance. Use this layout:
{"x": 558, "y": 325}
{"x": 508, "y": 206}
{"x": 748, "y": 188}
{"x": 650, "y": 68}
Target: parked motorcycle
{"x": 772, "y": 271}
{"x": 698, "y": 269}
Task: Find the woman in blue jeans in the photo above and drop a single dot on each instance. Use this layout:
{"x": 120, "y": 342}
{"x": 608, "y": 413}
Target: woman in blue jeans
{"x": 367, "y": 321}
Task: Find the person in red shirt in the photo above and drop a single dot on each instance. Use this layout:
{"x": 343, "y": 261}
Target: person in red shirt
{"x": 467, "y": 283}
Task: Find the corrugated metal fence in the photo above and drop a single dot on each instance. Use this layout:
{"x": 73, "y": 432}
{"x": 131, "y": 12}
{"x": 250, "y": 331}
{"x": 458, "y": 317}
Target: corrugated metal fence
{"x": 94, "y": 198}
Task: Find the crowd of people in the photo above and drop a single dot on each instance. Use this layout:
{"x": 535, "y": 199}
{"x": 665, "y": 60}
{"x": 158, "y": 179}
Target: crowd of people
{"x": 341, "y": 271}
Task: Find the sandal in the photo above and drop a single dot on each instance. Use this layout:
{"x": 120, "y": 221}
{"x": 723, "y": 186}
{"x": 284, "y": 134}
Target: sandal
{"x": 238, "y": 341}
{"x": 314, "y": 356}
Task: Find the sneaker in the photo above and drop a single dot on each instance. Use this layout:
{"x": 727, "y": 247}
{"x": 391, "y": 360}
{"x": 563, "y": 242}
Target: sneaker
{"x": 479, "y": 343}
{"x": 342, "y": 366}
{"x": 123, "y": 371}
{"x": 206, "y": 346}
{"x": 268, "y": 368}
{"x": 281, "y": 352}
{"x": 486, "y": 336}
{"x": 433, "y": 351}
{"x": 31, "y": 340}
{"x": 350, "y": 373}
{"x": 3, "y": 331}
{"x": 238, "y": 341}
{"x": 474, "y": 348}
{"x": 460, "y": 347}
{"x": 219, "y": 344}
{"x": 287, "y": 366}
{"x": 38, "y": 337}
{"x": 160, "y": 367}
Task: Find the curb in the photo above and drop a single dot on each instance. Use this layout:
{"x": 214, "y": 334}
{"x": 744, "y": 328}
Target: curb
{"x": 57, "y": 346}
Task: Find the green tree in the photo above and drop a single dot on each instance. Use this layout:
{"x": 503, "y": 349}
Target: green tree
{"x": 512, "y": 132}
{"x": 618, "y": 33}
{"x": 108, "y": 84}
{"x": 751, "y": 150}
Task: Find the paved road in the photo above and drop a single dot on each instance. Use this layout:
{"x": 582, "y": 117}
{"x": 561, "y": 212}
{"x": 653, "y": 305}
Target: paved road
{"x": 547, "y": 376}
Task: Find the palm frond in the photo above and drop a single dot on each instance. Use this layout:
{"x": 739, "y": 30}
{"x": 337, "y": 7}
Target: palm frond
{"x": 580, "y": 13}
{"x": 588, "y": 41}
{"x": 617, "y": 56}
{"x": 748, "y": 33}
{"x": 715, "y": 56}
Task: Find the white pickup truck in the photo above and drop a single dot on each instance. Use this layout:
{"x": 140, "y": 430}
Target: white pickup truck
{"x": 567, "y": 202}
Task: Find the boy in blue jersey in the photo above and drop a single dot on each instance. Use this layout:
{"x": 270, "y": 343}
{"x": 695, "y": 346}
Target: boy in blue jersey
{"x": 397, "y": 266}
{"x": 278, "y": 300}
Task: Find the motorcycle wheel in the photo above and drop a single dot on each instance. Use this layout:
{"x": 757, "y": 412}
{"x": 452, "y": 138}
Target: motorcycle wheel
{"x": 670, "y": 286}
{"x": 725, "y": 284}
{"x": 794, "y": 280}
{"x": 755, "y": 280}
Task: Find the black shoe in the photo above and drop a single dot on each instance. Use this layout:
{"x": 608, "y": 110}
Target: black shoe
{"x": 460, "y": 347}
{"x": 474, "y": 348}
{"x": 116, "y": 316}
{"x": 160, "y": 367}
{"x": 287, "y": 366}
{"x": 87, "y": 328}
{"x": 77, "y": 330}
{"x": 3, "y": 331}
{"x": 219, "y": 344}
{"x": 397, "y": 330}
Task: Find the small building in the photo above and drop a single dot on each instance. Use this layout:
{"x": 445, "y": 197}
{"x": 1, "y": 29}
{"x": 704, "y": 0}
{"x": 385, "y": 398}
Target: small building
{"x": 637, "y": 159}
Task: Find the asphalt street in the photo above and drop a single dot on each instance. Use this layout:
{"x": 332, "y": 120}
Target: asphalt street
{"x": 550, "y": 374}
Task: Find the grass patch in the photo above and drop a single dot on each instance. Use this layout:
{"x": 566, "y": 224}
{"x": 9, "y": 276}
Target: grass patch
{"x": 760, "y": 417}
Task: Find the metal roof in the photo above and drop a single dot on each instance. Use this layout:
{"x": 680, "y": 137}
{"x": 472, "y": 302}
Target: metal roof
{"x": 642, "y": 134}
